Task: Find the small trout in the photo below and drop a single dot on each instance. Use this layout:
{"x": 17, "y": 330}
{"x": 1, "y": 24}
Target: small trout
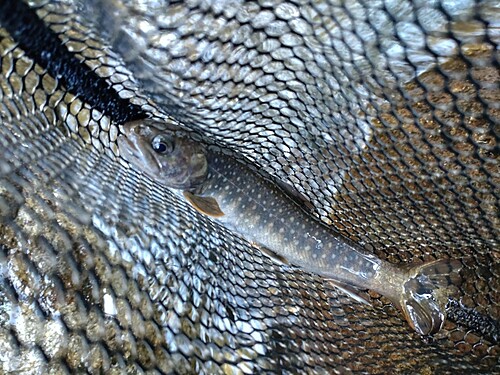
{"x": 253, "y": 207}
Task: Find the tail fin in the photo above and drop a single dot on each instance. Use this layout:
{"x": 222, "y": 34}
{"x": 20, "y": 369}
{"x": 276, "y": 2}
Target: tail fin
{"x": 426, "y": 292}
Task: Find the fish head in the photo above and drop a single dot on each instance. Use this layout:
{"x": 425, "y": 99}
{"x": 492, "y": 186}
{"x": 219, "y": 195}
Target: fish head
{"x": 166, "y": 157}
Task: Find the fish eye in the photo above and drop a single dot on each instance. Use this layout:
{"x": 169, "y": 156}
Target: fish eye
{"x": 162, "y": 144}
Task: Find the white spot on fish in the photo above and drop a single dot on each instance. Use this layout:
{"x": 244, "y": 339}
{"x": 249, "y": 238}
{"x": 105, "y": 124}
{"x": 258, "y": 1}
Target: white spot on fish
{"x": 319, "y": 243}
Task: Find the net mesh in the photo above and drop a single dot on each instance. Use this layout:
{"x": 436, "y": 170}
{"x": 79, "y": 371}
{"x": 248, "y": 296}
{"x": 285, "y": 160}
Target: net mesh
{"x": 384, "y": 114}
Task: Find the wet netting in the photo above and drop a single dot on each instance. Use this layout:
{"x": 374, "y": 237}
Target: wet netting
{"x": 384, "y": 114}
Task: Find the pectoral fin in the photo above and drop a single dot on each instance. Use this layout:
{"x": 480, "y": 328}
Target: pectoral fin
{"x": 206, "y": 205}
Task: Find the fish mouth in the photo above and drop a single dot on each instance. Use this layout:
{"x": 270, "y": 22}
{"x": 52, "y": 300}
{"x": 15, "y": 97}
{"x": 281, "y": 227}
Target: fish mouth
{"x": 128, "y": 128}
{"x": 132, "y": 152}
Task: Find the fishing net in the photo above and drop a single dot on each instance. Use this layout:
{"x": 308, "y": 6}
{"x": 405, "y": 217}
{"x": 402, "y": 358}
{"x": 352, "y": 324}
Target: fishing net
{"x": 383, "y": 114}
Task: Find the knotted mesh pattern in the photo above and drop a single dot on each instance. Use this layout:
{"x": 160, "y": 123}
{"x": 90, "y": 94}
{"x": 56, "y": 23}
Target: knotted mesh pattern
{"x": 383, "y": 114}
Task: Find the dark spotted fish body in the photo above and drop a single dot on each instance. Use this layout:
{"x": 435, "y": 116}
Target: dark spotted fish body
{"x": 244, "y": 202}
{"x": 261, "y": 212}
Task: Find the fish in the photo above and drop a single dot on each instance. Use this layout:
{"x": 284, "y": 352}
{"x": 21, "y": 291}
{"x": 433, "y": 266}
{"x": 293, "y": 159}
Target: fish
{"x": 243, "y": 201}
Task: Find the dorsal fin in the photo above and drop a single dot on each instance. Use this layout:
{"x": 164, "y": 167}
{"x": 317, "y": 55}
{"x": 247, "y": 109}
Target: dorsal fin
{"x": 279, "y": 259}
{"x": 206, "y": 205}
{"x": 294, "y": 194}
